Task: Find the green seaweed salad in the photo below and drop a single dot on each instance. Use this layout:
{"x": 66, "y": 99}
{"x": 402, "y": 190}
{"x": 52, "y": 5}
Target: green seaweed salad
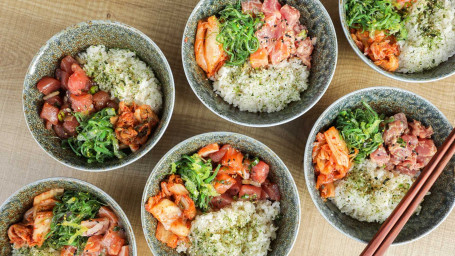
{"x": 74, "y": 207}
{"x": 96, "y": 139}
{"x": 70, "y": 210}
{"x": 198, "y": 174}
{"x": 237, "y": 33}
{"x": 377, "y": 15}
{"x": 361, "y": 129}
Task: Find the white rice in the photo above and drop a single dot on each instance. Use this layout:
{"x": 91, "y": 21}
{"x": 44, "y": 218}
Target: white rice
{"x": 244, "y": 228}
{"x": 370, "y": 193}
{"x": 34, "y": 251}
{"x": 123, "y": 74}
{"x": 431, "y": 35}
{"x": 262, "y": 90}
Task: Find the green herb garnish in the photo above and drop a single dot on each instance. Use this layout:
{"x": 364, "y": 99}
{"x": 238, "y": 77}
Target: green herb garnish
{"x": 401, "y": 142}
{"x": 253, "y": 163}
{"x": 237, "y": 33}
{"x": 73, "y": 208}
{"x": 61, "y": 115}
{"x": 198, "y": 175}
{"x": 94, "y": 89}
{"x": 361, "y": 130}
{"x": 376, "y": 15}
{"x": 96, "y": 139}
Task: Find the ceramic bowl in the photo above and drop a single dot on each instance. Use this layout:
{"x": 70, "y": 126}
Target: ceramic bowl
{"x": 442, "y": 71}
{"x": 389, "y": 101}
{"x": 279, "y": 173}
{"x": 319, "y": 24}
{"x": 12, "y": 210}
{"x": 75, "y": 39}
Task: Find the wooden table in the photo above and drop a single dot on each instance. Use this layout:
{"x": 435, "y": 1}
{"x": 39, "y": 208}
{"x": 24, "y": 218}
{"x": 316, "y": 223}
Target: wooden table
{"x": 26, "y": 25}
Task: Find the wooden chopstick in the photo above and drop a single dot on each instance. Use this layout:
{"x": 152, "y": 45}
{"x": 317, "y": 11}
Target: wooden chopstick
{"x": 395, "y": 222}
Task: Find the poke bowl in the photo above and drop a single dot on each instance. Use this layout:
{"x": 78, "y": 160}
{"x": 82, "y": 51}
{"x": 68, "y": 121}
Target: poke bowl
{"x": 98, "y": 95}
{"x": 197, "y": 182}
{"x": 399, "y": 40}
{"x": 32, "y": 220}
{"x": 271, "y": 71}
{"x": 400, "y": 132}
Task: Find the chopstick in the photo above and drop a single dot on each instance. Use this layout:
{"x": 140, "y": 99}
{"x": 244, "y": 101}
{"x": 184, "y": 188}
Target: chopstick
{"x": 396, "y": 221}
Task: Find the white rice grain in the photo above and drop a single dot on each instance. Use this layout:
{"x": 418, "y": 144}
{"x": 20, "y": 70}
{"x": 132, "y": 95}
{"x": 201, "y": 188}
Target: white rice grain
{"x": 262, "y": 90}
{"x": 370, "y": 193}
{"x": 123, "y": 74}
{"x": 244, "y": 228}
{"x": 431, "y": 35}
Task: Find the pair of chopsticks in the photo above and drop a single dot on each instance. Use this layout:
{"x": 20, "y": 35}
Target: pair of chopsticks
{"x": 396, "y": 221}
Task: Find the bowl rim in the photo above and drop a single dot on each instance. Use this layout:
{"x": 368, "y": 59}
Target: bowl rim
{"x": 372, "y": 65}
{"x": 165, "y": 123}
{"x": 112, "y": 204}
{"x": 307, "y": 160}
{"x": 271, "y": 124}
{"x": 216, "y": 134}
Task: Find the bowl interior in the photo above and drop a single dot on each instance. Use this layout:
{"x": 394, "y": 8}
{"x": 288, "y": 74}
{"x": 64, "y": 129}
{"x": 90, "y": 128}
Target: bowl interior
{"x": 389, "y": 101}
{"x": 290, "y": 204}
{"x": 444, "y": 70}
{"x": 324, "y": 58}
{"x": 14, "y": 207}
{"x": 72, "y": 41}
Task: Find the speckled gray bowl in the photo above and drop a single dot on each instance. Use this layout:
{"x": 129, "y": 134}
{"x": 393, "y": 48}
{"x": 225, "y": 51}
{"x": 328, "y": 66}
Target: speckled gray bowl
{"x": 12, "y": 210}
{"x": 314, "y": 16}
{"x": 435, "y": 207}
{"x": 442, "y": 71}
{"x": 75, "y": 39}
{"x": 290, "y": 204}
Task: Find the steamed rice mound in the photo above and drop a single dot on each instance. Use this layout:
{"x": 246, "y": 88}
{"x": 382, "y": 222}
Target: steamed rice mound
{"x": 123, "y": 74}
{"x": 431, "y": 35}
{"x": 244, "y": 228}
{"x": 34, "y": 251}
{"x": 371, "y": 193}
{"x": 267, "y": 89}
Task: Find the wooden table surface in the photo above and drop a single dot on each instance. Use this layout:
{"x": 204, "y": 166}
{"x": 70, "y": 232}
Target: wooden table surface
{"x": 26, "y": 25}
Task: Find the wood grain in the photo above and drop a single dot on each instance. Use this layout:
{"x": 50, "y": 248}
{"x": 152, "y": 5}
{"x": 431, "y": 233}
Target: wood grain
{"x": 26, "y": 25}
